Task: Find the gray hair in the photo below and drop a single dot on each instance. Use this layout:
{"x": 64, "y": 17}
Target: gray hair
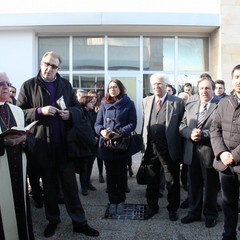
{"x": 159, "y": 75}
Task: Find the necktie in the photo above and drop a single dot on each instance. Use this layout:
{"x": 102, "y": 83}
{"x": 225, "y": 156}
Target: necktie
{"x": 159, "y": 104}
{"x": 202, "y": 116}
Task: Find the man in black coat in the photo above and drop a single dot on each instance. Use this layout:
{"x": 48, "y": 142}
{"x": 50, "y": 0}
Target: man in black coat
{"x": 47, "y": 98}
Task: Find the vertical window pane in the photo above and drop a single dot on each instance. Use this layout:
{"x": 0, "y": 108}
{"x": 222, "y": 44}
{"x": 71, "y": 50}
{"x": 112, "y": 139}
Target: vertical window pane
{"x": 88, "y": 53}
{"x": 60, "y": 45}
{"x": 193, "y": 54}
{"x": 158, "y": 53}
{"x": 88, "y": 81}
{"x": 123, "y": 53}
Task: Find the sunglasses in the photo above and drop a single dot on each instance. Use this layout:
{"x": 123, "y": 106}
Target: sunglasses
{"x": 5, "y": 83}
{"x": 47, "y": 64}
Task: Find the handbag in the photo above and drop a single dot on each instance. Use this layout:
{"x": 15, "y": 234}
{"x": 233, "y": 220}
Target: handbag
{"x": 136, "y": 143}
{"x": 142, "y": 172}
{"x": 115, "y": 142}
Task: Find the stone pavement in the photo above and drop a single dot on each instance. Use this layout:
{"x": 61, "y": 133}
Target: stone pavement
{"x": 159, "y": 227}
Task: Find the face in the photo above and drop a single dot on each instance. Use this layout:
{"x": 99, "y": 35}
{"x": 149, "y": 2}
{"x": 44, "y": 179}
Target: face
{"x": 159, "y": 87}
{"x": 113, "y": 89}
{"x": 4, "y": 89}
{"x": 169, "y": 90}
{"x": 90, "y": 105}
{"x": 49, "y": 67}
{"x": 205, "y": 91}
{"x": 188, "y": 90}
{"x": 12, "y": 92}
{"x": 236, "y": 81}
{"x": 94, "y": 100}
{"x": 219, "y": 89}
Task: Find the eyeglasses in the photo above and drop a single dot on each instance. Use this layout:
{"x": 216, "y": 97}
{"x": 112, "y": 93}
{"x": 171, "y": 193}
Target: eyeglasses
{"x": 47, "y": 64}
{"x": 5, "y": 83}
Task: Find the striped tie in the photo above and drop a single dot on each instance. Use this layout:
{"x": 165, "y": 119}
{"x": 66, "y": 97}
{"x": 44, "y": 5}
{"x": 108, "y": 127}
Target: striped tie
{"x": 202, "y": 116}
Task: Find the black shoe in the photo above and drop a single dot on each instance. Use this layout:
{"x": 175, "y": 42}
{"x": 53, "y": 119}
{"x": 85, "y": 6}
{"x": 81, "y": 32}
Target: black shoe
{"x": 38, "y": 203}
{"x": 189, "y": 219}
{"x": 91, "y": 187}
{"x": 101, "y": 179}
{"x": 184, "y": 204}
{"x": 219, "y": 208}
{"x": 127, "y": 190}
{"x": 150, "y": 212}
{"x": 210, "y": 222}
{"x": 86, "y": 230}
{"x": 130, "y": 171}
{"x": 173, "y": 216}
{"x": 50, "y": 230}
{"x": 84, "y": 192}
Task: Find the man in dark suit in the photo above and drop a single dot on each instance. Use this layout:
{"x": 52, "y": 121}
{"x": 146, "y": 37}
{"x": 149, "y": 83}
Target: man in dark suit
{"x": 162, "y": 114}
{"x": 198, "y": 155}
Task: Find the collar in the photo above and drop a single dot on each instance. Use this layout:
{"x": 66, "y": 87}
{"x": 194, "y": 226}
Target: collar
{"x": 162, "y": 98}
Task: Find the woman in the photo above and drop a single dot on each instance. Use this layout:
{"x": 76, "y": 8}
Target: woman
{"x": 15, "y": 216}
{"x": 117, "y": 112}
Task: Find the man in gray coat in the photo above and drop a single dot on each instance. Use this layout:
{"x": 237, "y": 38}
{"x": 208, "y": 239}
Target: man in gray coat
{"x": 162, "y": 114}
{"x": 198, "y": 155}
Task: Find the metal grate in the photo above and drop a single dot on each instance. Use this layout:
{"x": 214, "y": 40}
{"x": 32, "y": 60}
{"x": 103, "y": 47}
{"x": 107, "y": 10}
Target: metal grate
{"x": 131, "y": 212}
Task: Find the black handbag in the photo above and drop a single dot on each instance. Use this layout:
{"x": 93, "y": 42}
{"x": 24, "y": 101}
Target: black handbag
{"x": 136, "y": 144}
{"x": 142, "y": 172}
{"x": 115, "y": 142}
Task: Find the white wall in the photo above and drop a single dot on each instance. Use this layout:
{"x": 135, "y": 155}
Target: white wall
{"x": 17, "y": 56}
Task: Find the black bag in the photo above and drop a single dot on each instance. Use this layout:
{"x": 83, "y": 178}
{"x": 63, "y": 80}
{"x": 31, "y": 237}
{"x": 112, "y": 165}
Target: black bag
{"x": 116, "y": 142}
{"x": 136, "y": 144}
{"x": 142, "y": 172}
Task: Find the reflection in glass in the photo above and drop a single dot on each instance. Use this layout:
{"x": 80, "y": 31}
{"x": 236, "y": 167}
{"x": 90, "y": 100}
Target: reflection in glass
{"x": 193, "y": 54}
{"x": 60, "y": 45}
{"x": 123, "y": 53}
{"x": 88, "y": 81}
{"x": 88, "y": 53}
{"x": 158, "y": 53}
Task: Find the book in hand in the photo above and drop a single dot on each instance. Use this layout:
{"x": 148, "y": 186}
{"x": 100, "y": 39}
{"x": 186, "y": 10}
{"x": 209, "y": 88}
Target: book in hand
{"x": 18, "y": 130}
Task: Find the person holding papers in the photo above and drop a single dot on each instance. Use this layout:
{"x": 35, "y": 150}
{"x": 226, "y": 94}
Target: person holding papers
{"x": 15, "y": 216}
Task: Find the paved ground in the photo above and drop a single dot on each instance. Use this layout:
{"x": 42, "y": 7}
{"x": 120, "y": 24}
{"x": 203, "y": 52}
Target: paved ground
{"x": 159, "y": 227}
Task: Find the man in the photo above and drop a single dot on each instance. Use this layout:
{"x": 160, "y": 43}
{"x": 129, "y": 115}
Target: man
{"x": 225, "y": 139}
{"x": 198, "y": 155}
{"x": 15, "y": 215}
{"x": 47, "y": 98}
{"x": 188, "y": 88}
{"x": 162, "y": 114}
{"x": 220, "y": 89}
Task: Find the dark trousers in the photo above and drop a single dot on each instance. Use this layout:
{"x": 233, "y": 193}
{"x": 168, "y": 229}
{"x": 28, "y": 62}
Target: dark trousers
{"x": 153, "y": 182}
{"x": 203, "y": 183}
{"x": 81, "y": 167}
{"x": 230, "y": 195}
{"x": 66, "y": 171}
{"x": 89, "y": 168}
{"x": 116, "y": 171}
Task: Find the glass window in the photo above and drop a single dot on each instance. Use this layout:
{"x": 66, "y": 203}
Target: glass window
{"x": 88, "y": 53}
{"x": 124, "y": 53}
{"x": 60, "y": 45}
{"x": 158, "y": 53}
{"x": 193, "y": 54}
{"x": 88, "y": 81}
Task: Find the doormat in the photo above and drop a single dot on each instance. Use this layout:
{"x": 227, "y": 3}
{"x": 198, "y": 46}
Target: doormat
{"x": 131, "y": 212}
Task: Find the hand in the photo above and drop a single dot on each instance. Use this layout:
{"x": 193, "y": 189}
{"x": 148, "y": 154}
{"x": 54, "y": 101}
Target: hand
{"x": 226, "y": 158}
{"x": 64, "y": 114}
{"x": 196, "y": 135}
{"x": 104, "y": 133}
{"x": 49, "y": 110}
{"x": 13, "y": 140}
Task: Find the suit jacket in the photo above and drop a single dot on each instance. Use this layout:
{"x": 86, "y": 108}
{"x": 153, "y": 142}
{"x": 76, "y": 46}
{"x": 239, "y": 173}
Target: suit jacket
{"x": 174, "y": 113}
{"x": 189, "y": 122}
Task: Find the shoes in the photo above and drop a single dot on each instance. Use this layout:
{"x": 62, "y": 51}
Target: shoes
{"x": 150, "y": 212}
{"x": 38, "y": 203}
{"x": 210, "y": 222}
{"x": 50, "y": 230}
{"x": 189, "y": 219}
{"x": 91, "y": 187}
{"x": 184, "y": 204}
{"x": 86, "y": 230}
{"x": 112, "y": 209}
{"x": 127, "y": 190}
{"x": 101, "y": 178}
{"x": 130, "y": 171}
{"x": 84, "y": 192}
{"x": 173, "y": 216}
{"x": 120, "y": 208}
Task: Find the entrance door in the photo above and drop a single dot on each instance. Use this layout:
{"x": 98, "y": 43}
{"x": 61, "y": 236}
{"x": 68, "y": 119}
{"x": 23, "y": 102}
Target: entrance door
{"x": 134, "y": 90}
